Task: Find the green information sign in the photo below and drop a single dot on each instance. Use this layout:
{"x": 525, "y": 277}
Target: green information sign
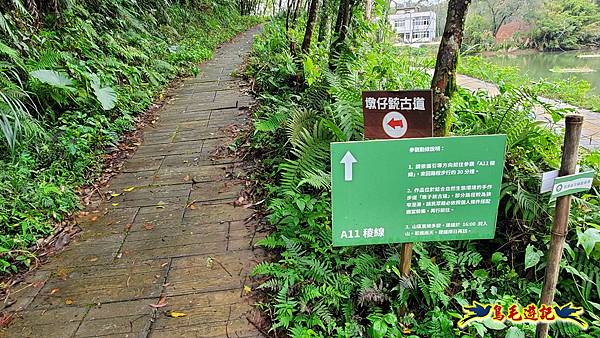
{"x": 571, "y": 184}
{"x": 416, "y": 190}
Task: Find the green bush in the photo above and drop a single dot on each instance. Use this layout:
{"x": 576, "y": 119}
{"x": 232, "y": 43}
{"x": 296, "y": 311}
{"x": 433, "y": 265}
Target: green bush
{"x": 567, "y": 24}
{"x": 316, "y": 290}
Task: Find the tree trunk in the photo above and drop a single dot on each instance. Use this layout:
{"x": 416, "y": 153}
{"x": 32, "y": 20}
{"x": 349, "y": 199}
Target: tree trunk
{"x": 310, "y": 25}
{"x": 341, "y": 30}
{"x": 444, "y": 78}
{"x": 340, "y": 17}
{"x": 299, "y": 4}
{"x": 368, "y": 9}
{"x": 323, "y": 21}
{"x": 337, "y": 38}
{"x": 287, "y": 16}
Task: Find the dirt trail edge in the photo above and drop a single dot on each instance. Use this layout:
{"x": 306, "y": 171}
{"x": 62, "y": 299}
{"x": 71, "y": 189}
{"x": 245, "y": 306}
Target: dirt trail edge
{"x": 166, "y": 253}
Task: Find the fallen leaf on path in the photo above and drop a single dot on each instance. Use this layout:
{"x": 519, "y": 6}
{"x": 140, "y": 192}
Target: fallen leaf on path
{"x": 6, "y": 318}
{"x": 247, "y": 289}
{"x": 115, "y": 195}
{"x": 93, "y": 259}
{"x": 55, "y": 290}
{"x": 175, "y": 314}
{"x": 186, "y": 178}
{"x": 130, "y": 189}
{"x": 164, "y": 264}
{"x": 191, "y": 205}
{"x": 115, "y": 204}
{"x": 68, "y": 301}
{"x": 240, "y": 201}
{"x": 128, "y": 226}
{"x": 210, "y": 262}
{"x": 148, "y": 226}
{"x": 162, "y": 302}
{"x": 160, "y": 205}
{"x": 94, "y": 218}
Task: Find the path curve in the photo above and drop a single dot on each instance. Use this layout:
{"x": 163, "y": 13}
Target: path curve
{"x": 171, "y": 237}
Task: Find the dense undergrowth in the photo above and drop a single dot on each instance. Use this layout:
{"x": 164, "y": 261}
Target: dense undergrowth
{"x": 71, "y": 82}
{"x": 315, "y": 290}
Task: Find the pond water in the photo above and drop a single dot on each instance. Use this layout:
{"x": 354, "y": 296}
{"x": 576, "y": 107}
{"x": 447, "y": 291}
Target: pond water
{"x": 555, "y": 65}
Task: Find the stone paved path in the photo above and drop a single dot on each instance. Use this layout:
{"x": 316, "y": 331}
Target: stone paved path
{"x": 175, "y": 236}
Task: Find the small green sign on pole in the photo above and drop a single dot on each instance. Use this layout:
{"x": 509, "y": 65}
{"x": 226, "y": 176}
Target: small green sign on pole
{"x": 572, "y": 184}
{"x": 415, "y": 190}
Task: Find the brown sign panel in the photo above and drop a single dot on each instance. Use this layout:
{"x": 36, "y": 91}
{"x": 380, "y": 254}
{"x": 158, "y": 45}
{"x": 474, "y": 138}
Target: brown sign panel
{"x": 398, "y": 114}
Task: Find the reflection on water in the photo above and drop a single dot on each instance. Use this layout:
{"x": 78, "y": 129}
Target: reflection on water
{"x": 539, "y": 65}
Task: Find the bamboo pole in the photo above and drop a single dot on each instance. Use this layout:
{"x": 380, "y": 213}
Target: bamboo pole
{"x": 573, "y": 124}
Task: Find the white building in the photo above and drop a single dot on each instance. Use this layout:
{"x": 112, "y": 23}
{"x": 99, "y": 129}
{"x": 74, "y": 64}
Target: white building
{"x": 412, "y": 26}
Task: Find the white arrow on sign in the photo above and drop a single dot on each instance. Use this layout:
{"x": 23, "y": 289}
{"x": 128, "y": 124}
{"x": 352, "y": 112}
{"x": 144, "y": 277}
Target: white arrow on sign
{"x": 348, "y": 160}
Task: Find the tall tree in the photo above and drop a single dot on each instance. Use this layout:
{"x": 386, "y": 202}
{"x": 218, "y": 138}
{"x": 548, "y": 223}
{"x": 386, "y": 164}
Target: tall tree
{"x": 341, "y": 30}
{"x": 500, "y": 11}
{"x": 324, "y": 21}
{"x": 444, "y": 77}
{"x": 310, "y": 25}
{"x": 368, "y": 9}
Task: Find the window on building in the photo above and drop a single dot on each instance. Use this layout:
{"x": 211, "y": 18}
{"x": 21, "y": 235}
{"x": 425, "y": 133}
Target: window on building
{"x": 421, "y": 35}
{"x": 399, "y": 23}
{"x": 421, "y": 21}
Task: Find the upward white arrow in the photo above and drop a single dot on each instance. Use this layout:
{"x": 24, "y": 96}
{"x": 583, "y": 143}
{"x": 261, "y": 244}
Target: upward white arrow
{"x": 348, "y": 160}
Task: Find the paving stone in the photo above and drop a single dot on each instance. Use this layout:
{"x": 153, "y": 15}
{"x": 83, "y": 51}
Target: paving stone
{"x": 182, "y": 125}
{"x": 126, "y": 180}
{"x": 203, "y": 309}
{"x": 215, "y": 213}
{"x": 53, "y": 322}
{"x": 170, "y": 148}
{"x": 218, "y": 190}
{"x": 122, "y": 318}
{"x": 99, "y": 284}
{"x": 140, "y": 163}
{"x": 208, "y": 173}
{"x": 184, "y": 135}
{"x": 239, "y": 328}
{"x": 153, "y": 195}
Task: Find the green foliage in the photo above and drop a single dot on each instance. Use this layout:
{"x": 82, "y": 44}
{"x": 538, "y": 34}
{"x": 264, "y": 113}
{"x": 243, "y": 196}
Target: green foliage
{"x": 316, "y": 290}
{"x": 567, "y": 24}
{"x": 73, "y": 76}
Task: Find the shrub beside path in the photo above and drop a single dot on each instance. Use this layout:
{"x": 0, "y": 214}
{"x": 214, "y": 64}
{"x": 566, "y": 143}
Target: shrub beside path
{"x": 166, "y": 253}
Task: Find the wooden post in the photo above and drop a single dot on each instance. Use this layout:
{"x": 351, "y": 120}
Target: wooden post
{"x": 405, "y": 259}
{"x": 568, "y": 166}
